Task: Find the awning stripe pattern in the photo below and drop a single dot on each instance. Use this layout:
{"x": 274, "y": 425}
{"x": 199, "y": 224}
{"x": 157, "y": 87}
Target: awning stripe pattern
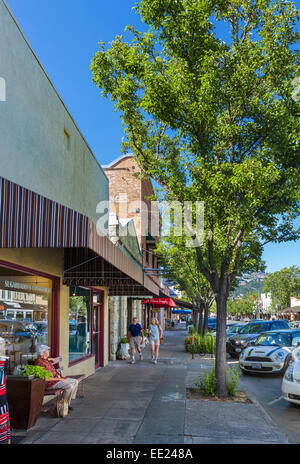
{"x": 29, "y": 220}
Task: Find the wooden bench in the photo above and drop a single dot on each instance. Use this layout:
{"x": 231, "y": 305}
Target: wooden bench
{"x": 50, "y": 405}
{"x": 79, "y": 377}
{"x": 58, "y": 393}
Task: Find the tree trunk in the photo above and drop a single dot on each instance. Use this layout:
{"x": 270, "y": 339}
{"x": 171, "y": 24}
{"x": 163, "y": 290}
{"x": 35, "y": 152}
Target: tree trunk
{"x": 197, "y": 319}
{"x": 221, "y": 301}
{"x": 200, "y": 320}
{"x": 205, "y": 325}
{"x": 194, "y": 317}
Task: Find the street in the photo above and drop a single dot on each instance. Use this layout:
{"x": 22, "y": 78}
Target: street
{"x": 267, "y": 390}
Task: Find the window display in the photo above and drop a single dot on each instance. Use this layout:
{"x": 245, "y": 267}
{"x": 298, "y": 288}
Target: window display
{"x": 79, "y": 323}
{"x": 25, "y": 302}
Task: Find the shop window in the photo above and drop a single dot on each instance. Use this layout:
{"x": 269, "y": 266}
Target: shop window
{"x": 24, "y": 315}
{"x": 79, "y": 323}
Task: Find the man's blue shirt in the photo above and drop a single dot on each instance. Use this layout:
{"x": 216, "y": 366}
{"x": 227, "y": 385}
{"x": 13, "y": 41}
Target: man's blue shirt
{"x": 135, "y": 330}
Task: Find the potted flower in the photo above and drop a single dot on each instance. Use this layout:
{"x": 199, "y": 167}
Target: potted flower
{"x": 25, "y": 394}
{"x": 124, "y": 348}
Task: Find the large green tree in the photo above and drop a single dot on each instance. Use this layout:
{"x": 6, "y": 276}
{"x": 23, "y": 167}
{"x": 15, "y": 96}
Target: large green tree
{"x": 206, "y": 98}
{"x": 242, "y": 306}
{"x": 180, "y": 265}
{"x": 283, "y": 285}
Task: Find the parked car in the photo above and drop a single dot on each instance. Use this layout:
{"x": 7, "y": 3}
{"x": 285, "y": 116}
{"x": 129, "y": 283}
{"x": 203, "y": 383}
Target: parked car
{"x": 271, "y": 352}
{"x": 232, "y": 329}
{"x": 248, "y": 334}
{"x": 291, "y": 381}
{"x": 17, "y": 337}
{"x": 235, "y": 329}
{"x": 294, "y": 324}
{"x": 42, "y": 332}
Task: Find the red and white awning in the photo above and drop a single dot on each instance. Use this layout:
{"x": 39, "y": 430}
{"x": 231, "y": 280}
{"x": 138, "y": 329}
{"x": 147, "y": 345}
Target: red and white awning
{"x": 161, "y": 302}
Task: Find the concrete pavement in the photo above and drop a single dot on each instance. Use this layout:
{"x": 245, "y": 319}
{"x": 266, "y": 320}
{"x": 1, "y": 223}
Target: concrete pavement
{"x": 146, "y": 403}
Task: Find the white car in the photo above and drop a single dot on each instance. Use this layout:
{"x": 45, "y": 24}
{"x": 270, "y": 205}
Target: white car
{"x": 291, "y": 381}
{"x": 271, "y": 353}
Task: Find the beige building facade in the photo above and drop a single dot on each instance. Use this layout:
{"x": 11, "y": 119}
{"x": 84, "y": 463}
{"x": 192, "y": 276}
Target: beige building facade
{"x": 50, "y": 246}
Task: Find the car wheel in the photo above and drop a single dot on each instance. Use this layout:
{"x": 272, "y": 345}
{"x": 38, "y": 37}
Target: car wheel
{"x": 287, "y": 362}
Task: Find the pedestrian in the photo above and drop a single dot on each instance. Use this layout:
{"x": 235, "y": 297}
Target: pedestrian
{"x": 155, "y": 334}
{"x": 136, "y": 338}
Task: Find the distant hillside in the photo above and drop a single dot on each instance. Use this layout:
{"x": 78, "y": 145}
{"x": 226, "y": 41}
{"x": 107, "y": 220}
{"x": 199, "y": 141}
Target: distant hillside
{"x": 250, "y": 283}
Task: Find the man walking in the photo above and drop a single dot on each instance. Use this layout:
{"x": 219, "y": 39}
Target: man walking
{"x": 135, "y": 337}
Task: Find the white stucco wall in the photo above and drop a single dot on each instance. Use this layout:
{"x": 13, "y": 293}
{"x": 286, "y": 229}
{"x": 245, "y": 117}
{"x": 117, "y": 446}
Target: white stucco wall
{"x": 266, "y": 300}
{"x": 33, "y": 152}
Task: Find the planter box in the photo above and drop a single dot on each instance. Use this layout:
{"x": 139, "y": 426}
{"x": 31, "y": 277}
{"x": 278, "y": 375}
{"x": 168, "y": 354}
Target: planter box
{"x": 124, "y": 351}
{"x": 25, "y": 399}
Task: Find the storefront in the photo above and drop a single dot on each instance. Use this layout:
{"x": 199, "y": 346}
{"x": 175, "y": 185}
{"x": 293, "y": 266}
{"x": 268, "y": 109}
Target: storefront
{"x": 27, "y": 315}
{"x": 56, "y": 274}
{"x": 291, "y": 314}
{"x": 36, "y": 308}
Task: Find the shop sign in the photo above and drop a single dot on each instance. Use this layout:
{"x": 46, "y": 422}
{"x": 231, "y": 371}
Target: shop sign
{"x": 2, "y": 307}
{"x": 25, "y": 287}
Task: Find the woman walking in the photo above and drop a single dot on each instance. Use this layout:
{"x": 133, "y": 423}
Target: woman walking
{"x": 155, "y": 334}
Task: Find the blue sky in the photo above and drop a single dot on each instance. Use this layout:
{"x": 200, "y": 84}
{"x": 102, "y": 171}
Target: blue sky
{"x": 65, "y": 35}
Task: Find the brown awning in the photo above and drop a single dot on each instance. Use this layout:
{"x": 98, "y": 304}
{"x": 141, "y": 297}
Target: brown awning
{"x": 291, "y": 310}
{"x": 29, "y": 220}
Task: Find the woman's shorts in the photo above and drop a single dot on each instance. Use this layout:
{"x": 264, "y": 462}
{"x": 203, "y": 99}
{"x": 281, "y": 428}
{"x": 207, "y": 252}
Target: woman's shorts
{"x": 155, "y": 341}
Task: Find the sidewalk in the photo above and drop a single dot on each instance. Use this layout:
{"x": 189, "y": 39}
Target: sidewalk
{"x": 145, "y": 403}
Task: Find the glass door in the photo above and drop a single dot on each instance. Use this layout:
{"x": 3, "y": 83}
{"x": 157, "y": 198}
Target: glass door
{"x": 98, "y": 332}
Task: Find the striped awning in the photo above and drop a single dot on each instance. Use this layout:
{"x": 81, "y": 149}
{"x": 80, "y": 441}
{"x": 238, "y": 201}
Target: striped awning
{"x": 29, "y": 220}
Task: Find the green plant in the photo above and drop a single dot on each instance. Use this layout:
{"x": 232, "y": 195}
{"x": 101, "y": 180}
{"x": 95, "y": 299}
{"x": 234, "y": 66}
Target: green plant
{"x": 124, "y": 340}
{"x": 37, "y": 371}
{"x": 200, "y": 344}
{"x": 193, "y": 331}
{"x": 208, "y": 382}
{"x": 232, "y": 380}
{"x": 207, "y": 344}
{"x": 145, "y": 333}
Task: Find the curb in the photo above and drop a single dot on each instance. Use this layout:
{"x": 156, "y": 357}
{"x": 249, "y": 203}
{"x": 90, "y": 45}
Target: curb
{"x": 266, "y": 415}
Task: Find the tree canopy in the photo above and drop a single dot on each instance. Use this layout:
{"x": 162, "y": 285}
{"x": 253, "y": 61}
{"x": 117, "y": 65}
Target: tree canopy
{"x": 206, "y": 99}
{"x": 283, "y": 285}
